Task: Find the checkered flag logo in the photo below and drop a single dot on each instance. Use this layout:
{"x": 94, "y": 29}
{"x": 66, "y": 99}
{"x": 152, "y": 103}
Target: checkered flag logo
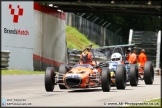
{"x": 16, "y": 16}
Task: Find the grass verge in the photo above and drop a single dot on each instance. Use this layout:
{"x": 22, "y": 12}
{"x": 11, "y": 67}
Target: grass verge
{"x": 20, "y": 72}
{"x": 155, "y": 102}
{"x": 77, "y": 40}
{"x": 150, "y": 103}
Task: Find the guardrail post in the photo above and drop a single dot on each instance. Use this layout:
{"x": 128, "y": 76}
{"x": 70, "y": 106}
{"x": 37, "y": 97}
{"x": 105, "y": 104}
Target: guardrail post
{"x": 158, "y": 52}
{"x": 130, "y": 36}
{"x": 4, "y": 59}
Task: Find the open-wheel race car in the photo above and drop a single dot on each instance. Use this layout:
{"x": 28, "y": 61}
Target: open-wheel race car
{"x": 79, "y": 76}
{"x": 122, "y": 72}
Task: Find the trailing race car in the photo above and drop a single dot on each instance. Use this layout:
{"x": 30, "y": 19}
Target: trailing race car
{"x": 121, "y": 70}
{"x": 79, "y": 76}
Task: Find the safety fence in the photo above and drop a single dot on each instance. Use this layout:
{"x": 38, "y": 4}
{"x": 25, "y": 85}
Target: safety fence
{"x": 4, "y": 59}
{"x": 97, "y": 34}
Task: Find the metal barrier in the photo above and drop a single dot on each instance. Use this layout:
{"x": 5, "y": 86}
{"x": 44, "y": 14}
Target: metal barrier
{"x": 94, "y": 32}
{"x": 4, "y": 59}
{"x": 74, "y": 58}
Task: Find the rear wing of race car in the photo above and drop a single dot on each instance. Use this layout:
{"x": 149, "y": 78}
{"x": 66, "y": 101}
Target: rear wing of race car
{"x": 101, "y": 54}
{"x": 122, "y": 46}
{"x": 122, "y": 49}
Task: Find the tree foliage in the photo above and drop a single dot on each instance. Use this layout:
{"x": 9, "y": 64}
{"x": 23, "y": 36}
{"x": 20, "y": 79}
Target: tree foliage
{"x": 127, "y": 22}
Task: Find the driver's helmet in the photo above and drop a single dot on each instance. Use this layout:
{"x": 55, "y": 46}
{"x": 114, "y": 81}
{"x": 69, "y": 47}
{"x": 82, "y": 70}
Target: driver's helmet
{"x": 86, "y": 57}
{"x": 129, "y": 49}
{"x": 142, "y": 50}
{"x": 116, "y": 57}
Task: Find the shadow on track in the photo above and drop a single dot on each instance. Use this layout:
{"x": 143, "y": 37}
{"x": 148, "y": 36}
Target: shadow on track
{"x": 87, "y": 90}
{"x": 58, "y": 91}
{"x": 55, "y": 91}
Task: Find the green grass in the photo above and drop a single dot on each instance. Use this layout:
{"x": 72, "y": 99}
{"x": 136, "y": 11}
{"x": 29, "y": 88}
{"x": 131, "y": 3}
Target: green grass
{"x": 155, "y": 101}
{"x": 77, "y": 40}
{"x": 151, "y": 103}
{"x": 20, "y": 72}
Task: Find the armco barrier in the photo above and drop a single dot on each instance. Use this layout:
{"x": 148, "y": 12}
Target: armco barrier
{"x": 4, "y": 59}
{"x": 74, "y": 58}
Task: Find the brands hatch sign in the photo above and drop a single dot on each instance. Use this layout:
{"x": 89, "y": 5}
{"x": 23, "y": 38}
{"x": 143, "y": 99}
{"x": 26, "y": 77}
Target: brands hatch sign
{"x": 16, "y": 21}
{"x": 16, "y": 31}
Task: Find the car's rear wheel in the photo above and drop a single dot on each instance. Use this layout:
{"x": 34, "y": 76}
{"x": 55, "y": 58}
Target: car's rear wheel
{"x": 49, "y": 79}
{"x": 62, "y": 70}
{"x": 148, "y": 73}
{"x": 120, "y": 76}
{"x": 105, "y": 79}
{"x": 133, "y": 76}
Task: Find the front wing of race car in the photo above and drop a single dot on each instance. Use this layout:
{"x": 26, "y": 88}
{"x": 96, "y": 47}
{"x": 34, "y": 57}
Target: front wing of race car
{"x": 71, "y": 80}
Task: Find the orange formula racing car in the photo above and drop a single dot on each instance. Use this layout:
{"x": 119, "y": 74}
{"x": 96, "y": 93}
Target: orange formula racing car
{"x": 79, "y": 76}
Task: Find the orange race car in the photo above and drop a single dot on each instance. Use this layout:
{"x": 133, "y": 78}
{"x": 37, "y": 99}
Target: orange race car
{"x": 79, "y": 76}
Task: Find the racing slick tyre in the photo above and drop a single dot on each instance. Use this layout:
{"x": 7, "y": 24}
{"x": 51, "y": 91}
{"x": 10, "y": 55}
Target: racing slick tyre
{"x": 105, "y": 79}
{"x": 133, "y": 76}
{"x": 49, "y": 79}
{"x": 120, "y": 76}
{"x": 62, "y": 70}
{"x": 148, "y": 73}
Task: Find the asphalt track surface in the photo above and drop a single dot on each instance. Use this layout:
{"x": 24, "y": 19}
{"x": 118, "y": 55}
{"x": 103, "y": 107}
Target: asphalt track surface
{"x": 31, "y": 88}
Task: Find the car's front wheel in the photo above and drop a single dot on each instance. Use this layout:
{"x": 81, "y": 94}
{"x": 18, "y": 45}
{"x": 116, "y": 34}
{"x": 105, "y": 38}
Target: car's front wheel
{"x": 105, "y": 79}
{"x": 49, "y": 79}
{"x": 133, "y": 75}
{"x": 148, "y": 73}
{"x": 120, "y": 77}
